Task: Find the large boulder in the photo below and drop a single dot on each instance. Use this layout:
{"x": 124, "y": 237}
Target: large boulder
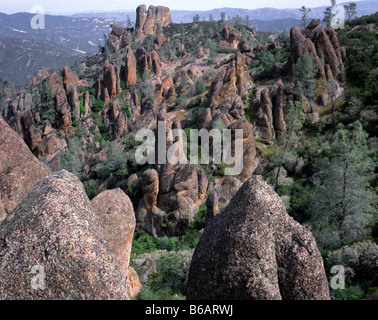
{"x": 20, "y": 170}
{"x": 116, "y": 223}
{"x": 254, "y": 250}
{"x": 53, "y": 236}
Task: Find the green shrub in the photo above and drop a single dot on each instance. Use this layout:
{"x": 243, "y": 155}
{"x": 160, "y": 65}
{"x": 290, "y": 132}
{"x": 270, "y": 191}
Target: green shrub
{"x": 307, "y": 123}
{"x": 98, "y": 105}
{"x": 182, "y": 101}
{"x": 200, "y": 86}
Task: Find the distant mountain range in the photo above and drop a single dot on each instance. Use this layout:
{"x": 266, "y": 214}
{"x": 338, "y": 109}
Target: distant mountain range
{"x": 64, "y": 40}
{"x": 263, "y": 14}
{"x": 82, "y": 34}
{"x": 21, "y": 58}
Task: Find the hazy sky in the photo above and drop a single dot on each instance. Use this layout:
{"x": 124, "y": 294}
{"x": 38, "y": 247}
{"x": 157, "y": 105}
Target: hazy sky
{"x": 70, "y": 6}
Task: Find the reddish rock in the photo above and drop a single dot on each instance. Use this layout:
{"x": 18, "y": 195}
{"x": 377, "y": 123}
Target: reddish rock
{"x": 211, "y": 207}
{"x": 130, "y": 70}
{"x": 147, "y": 21}
{"x": 110, "y": 80}
{"x": 20, "y": 170}
{"x": 155, "y": 62}
{"x": 54, "y": 232}
{"x": 116, "y": 223}
{"x": 70, "y": 79}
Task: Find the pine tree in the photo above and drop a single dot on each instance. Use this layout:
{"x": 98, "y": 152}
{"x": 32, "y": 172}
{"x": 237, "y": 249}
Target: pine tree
{"x": 342, "y": 207}
{"x": 350, "y": 11}
{"x": 47, "y": 101}
{"x": 328, "y": 14}
{"x": 305, "y": 71}
{"x": 293, "y": 122}
{"x": 305, "y": 11}
{"x": 223, "y": 17}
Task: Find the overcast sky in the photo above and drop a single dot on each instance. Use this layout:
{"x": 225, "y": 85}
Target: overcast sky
{"x": 70, "y": 6}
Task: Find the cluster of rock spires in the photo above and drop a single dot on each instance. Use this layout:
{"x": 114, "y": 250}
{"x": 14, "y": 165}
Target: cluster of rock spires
{"x": 251, "y": 250}
{"x": 267, "y": 107}
{"x": 85, "y": 245}
{"x": 148, "y": 21}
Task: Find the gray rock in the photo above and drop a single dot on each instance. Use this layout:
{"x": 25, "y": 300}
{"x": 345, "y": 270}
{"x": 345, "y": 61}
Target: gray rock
{"x": 254, "y": 250}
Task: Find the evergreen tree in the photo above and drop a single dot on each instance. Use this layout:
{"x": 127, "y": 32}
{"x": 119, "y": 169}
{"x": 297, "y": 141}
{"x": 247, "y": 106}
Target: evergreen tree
{"x": 328, "y": 14}
{"x": 129, "y": 25}
{"x": 247, "y": 22}
{"x": 305, "y": 71}
{"x": 342, "y": 206}
{"x": 47, "y": 101}
{"x": 305, "y": 20}
{"x": 350, "y": 11}
{"x": 196, "y": 18}
{"x": 293, "y": 122}
{"x": 223, "y": 17}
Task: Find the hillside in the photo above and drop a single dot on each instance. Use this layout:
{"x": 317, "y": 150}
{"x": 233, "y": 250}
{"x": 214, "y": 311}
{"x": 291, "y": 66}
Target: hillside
{"x": 79, "y": 34}
{"x": 20, "y": 58}
{"x": 125, "y": 220}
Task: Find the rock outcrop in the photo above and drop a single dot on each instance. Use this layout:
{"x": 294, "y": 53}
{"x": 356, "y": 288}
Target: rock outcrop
{"x": 212, "y": 208}
{"x": 254, "y": 250}
{"x": 53, "y": 236}
{"x": 62, "y": 107}
{"x": 116, "y": 224}
{"x": 130, "y": 70}
{"x": 324, "y": 45}
{"x": 20, "y": 170}
{"x": 268, "y": 112}
{"x": 230, "y": 82}
{"x": 118, "y": 38}
{"x": 147, "y": 21}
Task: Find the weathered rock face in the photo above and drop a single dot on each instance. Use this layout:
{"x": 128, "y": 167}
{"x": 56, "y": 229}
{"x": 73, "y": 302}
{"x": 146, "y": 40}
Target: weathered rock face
{"x": 147, "y": 21}
{"x": 116, "y": 223}
{"x": 20, "y": 170}
{"x": 173, "y": 192}
{"x": 231, "y": 37}
{"x": 230, "y": 82}
{"x": 130, "y": 70}
{"x": 55, "y": 228}
{"x": 115, "y": 120}
{"x": 254, "y": 250}
{"x": 155, "y": 63}
{"x": 70, "y": 79}
{"x": 268, "y": 114}
{"x": 249, "y": 150}
{"x": 211, "y": 207}
{"x": 324, "y": 45}
{"x": 118, "y": 38}
{"x": 262, "y": 111}
{"x": 62, "y": 107}
{"x": 110, "y": 79}
{"x": 167, "y": 91}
